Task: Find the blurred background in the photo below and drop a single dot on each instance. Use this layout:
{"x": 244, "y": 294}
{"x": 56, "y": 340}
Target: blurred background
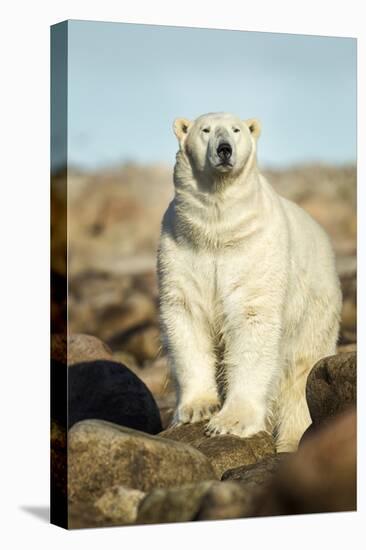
{"x": 126, "y": 84}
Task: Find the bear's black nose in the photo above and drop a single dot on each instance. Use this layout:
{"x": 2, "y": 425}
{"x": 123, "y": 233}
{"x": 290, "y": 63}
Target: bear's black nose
{"x": 224, "y": 151}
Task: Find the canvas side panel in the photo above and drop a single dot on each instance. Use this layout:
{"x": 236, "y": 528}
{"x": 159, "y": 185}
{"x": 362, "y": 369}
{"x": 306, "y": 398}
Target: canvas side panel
{"x": 59, "y": 63}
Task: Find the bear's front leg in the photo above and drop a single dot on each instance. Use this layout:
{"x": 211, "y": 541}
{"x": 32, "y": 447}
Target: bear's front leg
{"x": 192, "y": 360}
{"x": 251, "y": 364}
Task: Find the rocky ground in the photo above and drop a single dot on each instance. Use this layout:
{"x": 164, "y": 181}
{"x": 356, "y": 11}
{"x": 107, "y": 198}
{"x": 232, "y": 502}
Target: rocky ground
{"x": 118, "y": 475}
{"x": 125, "y": 465}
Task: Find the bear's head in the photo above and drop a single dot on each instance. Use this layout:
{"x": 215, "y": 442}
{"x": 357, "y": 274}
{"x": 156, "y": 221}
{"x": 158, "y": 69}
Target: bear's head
{"x": 217, "y": 143}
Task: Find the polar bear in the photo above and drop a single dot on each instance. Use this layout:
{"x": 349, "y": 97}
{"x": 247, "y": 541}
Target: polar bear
{"x": 249, "y": 294}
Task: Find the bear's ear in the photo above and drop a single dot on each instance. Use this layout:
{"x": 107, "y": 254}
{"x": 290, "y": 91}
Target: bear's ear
{"x": 181, "y": 126}
{"x": 254, "y": 127}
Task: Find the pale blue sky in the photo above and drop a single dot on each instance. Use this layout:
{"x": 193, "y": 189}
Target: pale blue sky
{"x": 128, "y": 82}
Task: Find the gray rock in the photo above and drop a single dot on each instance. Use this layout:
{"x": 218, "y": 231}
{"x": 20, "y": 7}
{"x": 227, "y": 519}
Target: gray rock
{"x": 331, "y": 386}
{"x": 209, "y": 500}
{"x": 256, "y": 474}
{"x": 120, "y": 504}
{"x": 102, "y": 454}
{"x": 227, "y": 500}
{"x": 237, "y": 495}
{"x": 117, "y": 506}
{"x": 186, "y": 433}
{"x": 83, "y": 515}
{"x": 173, "y": 505}
{"x": 223, "y": 451}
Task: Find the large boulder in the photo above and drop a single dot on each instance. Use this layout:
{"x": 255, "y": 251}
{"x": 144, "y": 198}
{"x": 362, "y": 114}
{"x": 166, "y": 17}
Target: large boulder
{"x": 331, "y": 386}
{"x": 223, "y": 451}
{"x": 109, "y": 391}
{"x": 320, "y": 477}
{"x": 102, "y": 455}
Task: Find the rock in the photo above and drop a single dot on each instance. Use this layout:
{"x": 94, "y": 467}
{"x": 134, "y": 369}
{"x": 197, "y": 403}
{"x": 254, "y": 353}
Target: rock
{"x": 78, "y": 348}
{"x": 59, "y": 348}
{"x": 186, "y": 433}
{"x": 113, "y": 321}
{"x": 223, "y": 451}
{"x": 83, "y": 347}
{"x": 166, "y": 415}
{"x": 349, "y": 315}
{"x": 128, "y": 360}
{"x": 102, "y": 454}
{"x": 348, "y": 278}
{"x": 100, "y": 290}
{"x": 346, "y": 348}
{"x": 256, "y": 474}
{"x": 167, "y": 403}
{"x": 142, "y": 342}
{"x": 320, "y": 477}
{"x": 172, "y": 505}
{"x": 58, "y": 478}
{"x": 107, "y": 390}
{"x": 115, "y": 216}
{"x": 84, "y": 515}
{"x": 120, "y": 504}
{"x": 346, "y": 265}
{"x": 347, "y": 337}
{"x": 108, "y": 306}
{"x": 331, "y": 386}
{"x": 348, "y": 330}
{"x": 156, "y": 376}
{"x": 59, "y": 457}
{"x": 212, "y": 500}
{"x": 227, "y": 500}
{"x": 237, "y": 494}
{"x": 117, "y": 506}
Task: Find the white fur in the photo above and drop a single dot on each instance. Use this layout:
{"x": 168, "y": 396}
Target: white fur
{"x": 249, "y": 294}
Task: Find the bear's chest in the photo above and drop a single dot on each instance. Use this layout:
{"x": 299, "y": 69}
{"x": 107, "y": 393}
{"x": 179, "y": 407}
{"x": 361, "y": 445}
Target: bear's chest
{"x": 212, "y": 276}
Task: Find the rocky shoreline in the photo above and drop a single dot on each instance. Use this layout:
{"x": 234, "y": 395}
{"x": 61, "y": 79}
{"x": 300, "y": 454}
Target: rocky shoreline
{"x": 118, "y": 475}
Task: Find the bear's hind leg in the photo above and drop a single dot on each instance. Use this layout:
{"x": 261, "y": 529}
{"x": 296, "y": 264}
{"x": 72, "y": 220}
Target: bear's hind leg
{"x": 292, "y": 415}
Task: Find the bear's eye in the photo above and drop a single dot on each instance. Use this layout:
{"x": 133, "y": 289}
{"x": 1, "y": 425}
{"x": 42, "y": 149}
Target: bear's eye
{"x": 236, "y": 130}
{"x": 206, "y": 130}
